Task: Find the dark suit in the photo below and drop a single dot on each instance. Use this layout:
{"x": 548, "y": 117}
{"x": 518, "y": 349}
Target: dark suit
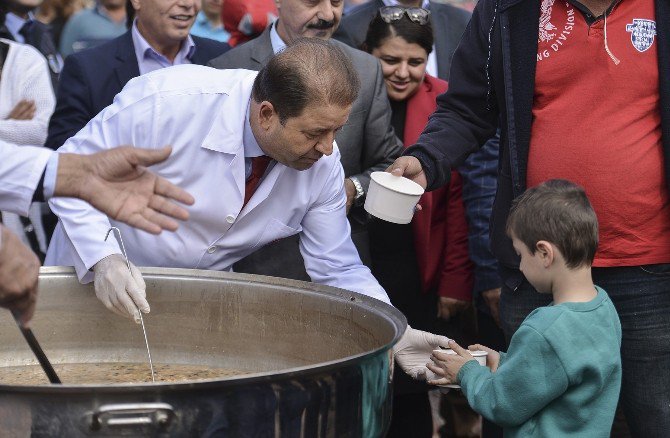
{"x": 91, "y": 78}
{"x": 40, "y": 37}
{"x": 367, "y": 143}
{"x": 448, "y": 25}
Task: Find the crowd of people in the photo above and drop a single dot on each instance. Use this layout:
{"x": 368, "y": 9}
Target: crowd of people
{"x": 277, "y": 112}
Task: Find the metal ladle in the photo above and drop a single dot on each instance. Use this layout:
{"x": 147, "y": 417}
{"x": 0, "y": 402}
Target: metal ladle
{"x": 37, "y": 350}
{"x": 146, "y": 341}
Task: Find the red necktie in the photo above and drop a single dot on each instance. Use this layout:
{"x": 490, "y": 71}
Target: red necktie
{"x": 258, "y": 166}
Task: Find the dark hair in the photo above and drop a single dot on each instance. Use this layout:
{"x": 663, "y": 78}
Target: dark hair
{"x": 3, "y": 12}
{"x": 307, "y": 71}
{"x": 130, "y": 14}
{"x": 559, "y": 212}
{"x": 413, "y": 33}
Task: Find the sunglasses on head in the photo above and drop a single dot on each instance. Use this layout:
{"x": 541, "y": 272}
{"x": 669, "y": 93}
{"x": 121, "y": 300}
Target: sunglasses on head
{"x": 395, "y": 13}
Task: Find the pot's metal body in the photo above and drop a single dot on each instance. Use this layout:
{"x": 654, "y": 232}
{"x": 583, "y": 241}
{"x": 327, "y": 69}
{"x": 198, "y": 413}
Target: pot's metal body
{"x": 319, "y": 359}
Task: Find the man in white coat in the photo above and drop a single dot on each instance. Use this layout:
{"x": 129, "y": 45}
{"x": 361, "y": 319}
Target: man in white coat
{"x": 218, "y": 122}
{"x": 114, "y": 181}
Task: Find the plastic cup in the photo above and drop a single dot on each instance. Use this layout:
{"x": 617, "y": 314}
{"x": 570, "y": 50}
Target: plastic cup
{"x": 392, "y": 198}
{"x": 479, "y": 355}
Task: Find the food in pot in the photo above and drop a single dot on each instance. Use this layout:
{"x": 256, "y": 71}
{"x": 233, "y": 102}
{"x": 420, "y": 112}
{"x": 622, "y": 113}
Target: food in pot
{"x": 113, "y": 373}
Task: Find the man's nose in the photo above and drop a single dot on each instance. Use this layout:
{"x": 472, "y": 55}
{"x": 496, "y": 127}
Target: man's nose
{"x": 325, "y": 144}
{"x": 326, "y": 11}
{"x": 190, "y": 4}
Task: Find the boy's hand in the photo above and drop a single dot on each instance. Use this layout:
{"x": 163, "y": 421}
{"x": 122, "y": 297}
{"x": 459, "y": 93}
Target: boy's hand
{"x": 448, "y": 365}
{"x": 493, "y": 358}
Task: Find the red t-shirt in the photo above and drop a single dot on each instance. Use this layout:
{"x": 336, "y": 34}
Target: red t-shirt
{"x": 598, "y": 124}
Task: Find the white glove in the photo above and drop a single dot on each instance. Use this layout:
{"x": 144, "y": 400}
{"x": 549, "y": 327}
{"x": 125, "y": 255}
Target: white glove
{"x": 119, "y": 291}
{"x": 413, "y": 350}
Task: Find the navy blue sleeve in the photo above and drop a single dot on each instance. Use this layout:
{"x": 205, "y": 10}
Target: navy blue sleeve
{"x": 466, "y": 115}
{"x": 479, "y": 174}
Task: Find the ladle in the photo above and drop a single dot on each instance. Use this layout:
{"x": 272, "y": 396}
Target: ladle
{"x": 146, "y": 341}
{"x": 35, "y": 346}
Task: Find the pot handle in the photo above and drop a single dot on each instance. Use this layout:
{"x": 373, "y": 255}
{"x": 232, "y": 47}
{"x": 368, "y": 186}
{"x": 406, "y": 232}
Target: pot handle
{"x": 159, "y": 415}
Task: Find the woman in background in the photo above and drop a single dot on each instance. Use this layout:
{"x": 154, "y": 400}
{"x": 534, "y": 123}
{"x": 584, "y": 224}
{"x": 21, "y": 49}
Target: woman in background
{"x": 424, "y": 266}
{"x": 26, "y": 104}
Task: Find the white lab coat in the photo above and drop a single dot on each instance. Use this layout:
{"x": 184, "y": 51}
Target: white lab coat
{"x": 21, "y": 168}
{"x": 201, "y": 111}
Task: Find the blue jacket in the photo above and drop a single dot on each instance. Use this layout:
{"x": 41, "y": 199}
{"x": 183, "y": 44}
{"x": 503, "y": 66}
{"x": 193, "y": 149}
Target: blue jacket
{"x": 91, "y": 78}
{"x": 494, "y": 82}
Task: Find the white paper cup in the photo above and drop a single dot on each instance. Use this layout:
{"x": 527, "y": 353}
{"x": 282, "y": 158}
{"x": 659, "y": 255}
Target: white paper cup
{"x": 392, "y": 198}
{"x": 479, "y": 355}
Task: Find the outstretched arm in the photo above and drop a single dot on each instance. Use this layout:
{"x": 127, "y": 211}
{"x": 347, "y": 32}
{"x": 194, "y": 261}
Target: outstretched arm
{"x": 117, "y": 183}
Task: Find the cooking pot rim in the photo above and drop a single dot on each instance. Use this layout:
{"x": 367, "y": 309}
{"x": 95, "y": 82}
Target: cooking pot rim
{"x": 386, "y": 311}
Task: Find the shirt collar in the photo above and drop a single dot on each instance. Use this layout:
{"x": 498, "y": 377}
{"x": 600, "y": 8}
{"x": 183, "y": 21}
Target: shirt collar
{"x": 14, "y": 24}
{"x": 425, "y": 4}
{"x": 144, "y": 49}
{"x": 278, "y": 44}
{"x": 251, "y": 146}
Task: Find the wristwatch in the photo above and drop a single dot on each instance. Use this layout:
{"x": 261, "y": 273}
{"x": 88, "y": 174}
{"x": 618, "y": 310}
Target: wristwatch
{"x": 359, "y": 197}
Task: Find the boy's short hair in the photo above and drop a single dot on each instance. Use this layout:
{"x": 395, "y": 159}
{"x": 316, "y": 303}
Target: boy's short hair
{"x": 559, "y": 212}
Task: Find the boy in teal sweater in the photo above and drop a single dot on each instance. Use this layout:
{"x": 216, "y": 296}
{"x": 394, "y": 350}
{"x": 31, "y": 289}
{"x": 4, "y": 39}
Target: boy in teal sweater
{"x": 561, "y": 374}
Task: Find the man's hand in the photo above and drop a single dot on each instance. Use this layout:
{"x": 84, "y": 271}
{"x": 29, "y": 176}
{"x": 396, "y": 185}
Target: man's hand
{"x": 19, "y": 268}
{"x": 493, "y": 357}
{"x": 117, "y": 183}
{"x": 120, "y": 290}
{"x": 410, "y": 168}
{"x": 446, "y": 366}
{"x": 24, "y": 110}
{"x": 414, "y": 349}
{"x": 492, "y": 299}
{"x": 350, "y": 189}
{"x": 450, "y": 307}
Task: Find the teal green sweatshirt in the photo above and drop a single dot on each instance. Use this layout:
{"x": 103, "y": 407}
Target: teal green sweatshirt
{"x": 561, "y": 375}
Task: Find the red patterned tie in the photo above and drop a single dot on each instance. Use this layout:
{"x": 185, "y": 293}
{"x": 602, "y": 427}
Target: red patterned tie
{"x": 258, "y": 166}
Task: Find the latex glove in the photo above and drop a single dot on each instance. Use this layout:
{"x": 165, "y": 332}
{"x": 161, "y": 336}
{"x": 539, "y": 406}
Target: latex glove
{"x": 118, "y": 290}
{"x": 414, "y": 349}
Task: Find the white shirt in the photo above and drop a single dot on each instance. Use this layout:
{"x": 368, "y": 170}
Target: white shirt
{"x": 148, "y": 59}
{"x": 21, "y": 168}
{"x": 201, "y": 112}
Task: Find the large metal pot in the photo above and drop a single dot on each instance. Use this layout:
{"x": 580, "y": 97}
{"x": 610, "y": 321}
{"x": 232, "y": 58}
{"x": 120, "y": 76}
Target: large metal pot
{"x": 318, "y": 357}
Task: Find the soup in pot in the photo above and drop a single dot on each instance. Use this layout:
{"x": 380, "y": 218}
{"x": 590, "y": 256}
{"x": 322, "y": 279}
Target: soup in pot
{"x": 113, "y": 373}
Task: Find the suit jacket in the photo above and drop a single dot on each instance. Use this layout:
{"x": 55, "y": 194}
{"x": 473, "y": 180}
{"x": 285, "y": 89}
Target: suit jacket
{"x": 448, "y": 25}
{"x": 41, "y": 38}
{"x": 367, "y": 144}
{"x": 440, "y": 227}
{"x": 91, "y": 78}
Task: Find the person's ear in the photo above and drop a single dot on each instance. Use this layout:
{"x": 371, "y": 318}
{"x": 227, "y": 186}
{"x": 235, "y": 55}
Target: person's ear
{"x": 267, "y": 116}
{"x": 136, "y": 4}
{"x": 545, "y": 251}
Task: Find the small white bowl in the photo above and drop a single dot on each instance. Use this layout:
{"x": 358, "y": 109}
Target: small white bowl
{"x": 392, "y": 198}
{"x": 479, "y": 355}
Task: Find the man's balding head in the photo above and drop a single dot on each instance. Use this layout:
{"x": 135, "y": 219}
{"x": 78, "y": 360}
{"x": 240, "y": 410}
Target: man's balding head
{"x": 309, "y": 71}
{"x": 300, "y": 99}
